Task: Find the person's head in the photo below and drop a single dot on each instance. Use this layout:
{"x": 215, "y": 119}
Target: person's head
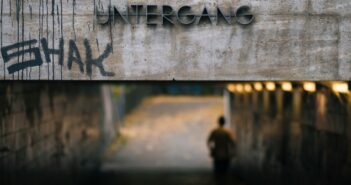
{"x": 221, "y": 121}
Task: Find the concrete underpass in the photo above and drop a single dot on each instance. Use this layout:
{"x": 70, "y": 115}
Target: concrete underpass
{"x": 163, "y": 141}
{"x": 286, "y": 133}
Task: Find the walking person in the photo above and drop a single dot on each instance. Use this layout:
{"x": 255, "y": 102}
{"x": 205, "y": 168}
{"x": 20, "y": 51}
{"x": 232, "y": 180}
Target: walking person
{"x": 221, "y": 145}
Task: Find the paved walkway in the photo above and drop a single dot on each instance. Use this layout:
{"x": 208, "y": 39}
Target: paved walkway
{"x": 164, "y": 142}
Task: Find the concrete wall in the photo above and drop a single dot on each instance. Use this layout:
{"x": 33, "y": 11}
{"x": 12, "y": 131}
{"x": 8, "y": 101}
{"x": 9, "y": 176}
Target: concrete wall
{"x": 49, "y": 127}
{"x": 292, "y": 137}
{"x": 295, "y": 40}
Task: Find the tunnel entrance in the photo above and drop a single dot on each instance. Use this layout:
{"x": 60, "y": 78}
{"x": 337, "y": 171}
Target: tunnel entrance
{"x": 93, "y": 133}
{"x": 164, "y": 141}
{"x": 166, "y": 133}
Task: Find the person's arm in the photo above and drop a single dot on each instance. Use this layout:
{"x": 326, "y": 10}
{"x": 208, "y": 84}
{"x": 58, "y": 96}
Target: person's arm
{"x": 210, "y": 141}
{"x": 211, "y": 144}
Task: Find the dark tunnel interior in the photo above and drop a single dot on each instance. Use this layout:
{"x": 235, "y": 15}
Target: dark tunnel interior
{"x": 156, "y": 133}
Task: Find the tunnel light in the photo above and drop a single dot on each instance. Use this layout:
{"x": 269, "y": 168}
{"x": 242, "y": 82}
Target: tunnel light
{"x": 270, "y": 86}
{"x": 309, "y": 86}
{"x": 240, "y": 88}
{"x": 340, "y": 87}
{"x": 248, "y": 88}
{"x": 231, "y": 88}
{"x": 287, "y": 86}
{"x": 258, "y": 86}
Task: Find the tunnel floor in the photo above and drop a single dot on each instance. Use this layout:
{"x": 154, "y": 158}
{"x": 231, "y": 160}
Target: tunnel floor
{"x": 164, "y": 142}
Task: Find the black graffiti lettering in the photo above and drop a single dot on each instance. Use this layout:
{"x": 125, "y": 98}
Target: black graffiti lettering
{"x": 37, "y": 61}
{"x": 97, "y": 62}
{"x": 74, "y": 56}
{"x": 48, "y": 51}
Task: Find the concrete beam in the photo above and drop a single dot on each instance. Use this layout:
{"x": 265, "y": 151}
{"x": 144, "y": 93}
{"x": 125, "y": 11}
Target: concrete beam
{"x": 289, "y": 40}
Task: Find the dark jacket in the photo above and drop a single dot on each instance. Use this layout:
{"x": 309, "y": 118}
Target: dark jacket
{"x": 221, "y": 144}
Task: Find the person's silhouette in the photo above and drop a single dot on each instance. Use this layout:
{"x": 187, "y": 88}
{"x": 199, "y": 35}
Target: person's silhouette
{"x": 221, "y": 145}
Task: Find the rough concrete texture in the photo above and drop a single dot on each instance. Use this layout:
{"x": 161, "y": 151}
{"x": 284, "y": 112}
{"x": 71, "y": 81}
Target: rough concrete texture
{"x": 49, "y": 128}
{"x": 295, "y": 40}
{"x": 292, "y": 137}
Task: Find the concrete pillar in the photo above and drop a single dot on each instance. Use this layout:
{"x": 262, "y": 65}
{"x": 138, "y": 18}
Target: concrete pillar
{"x": 266, "y": 102}
{"x": 227, "y": 107}
{"x": 108, "y": 129}
{"x": 280, "y": 104}
{"x": 296, "y": 105}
